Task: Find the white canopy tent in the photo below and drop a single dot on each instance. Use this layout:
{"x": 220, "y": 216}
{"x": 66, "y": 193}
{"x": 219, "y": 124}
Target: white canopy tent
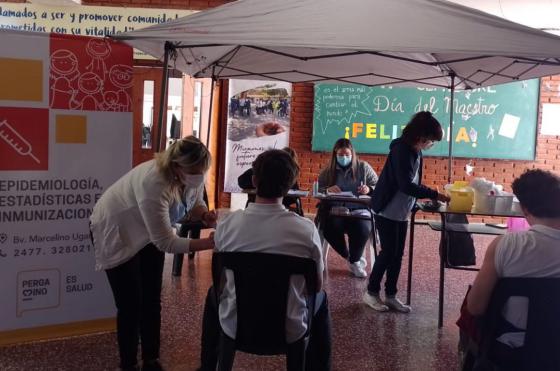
{"x": 432, "y": 43}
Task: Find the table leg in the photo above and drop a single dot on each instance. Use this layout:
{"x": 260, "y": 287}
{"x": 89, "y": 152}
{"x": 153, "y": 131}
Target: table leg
{"x": 442, "y": 259}
{"x": 410, "y": 255}
{"x": 373, "y": 235}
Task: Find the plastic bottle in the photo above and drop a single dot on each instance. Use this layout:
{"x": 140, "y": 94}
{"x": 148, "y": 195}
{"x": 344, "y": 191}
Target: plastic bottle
{"x": 315, "y": 188}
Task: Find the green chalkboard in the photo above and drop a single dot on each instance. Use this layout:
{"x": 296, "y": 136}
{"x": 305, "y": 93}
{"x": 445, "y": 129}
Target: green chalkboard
{"x": 495, "y": 122}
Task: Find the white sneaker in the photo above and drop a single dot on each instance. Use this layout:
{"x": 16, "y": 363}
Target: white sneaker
{"x": 362, "y": 262}
{"x": 396, "y": 304}
{"x": 374, "y": 302}
{"x": 357, "y": 269}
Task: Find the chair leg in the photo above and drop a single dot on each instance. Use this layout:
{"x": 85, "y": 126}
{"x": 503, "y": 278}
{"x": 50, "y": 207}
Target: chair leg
{"x": 193, "y": 234}
{"x": 177, "y": 265}
{"x": 295, "y": 356}
{"x": 226, "y": 353}
{"x": 372, "y": 253}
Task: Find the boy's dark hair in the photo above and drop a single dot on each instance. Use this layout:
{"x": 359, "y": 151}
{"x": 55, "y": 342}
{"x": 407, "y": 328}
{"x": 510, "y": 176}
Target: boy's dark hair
{"x": 275, "y": 172}
{"x": 538, "y": 191}
{"x": 423, "y": 125}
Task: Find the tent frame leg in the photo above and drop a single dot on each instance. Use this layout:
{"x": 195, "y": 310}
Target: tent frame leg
{"x": 450, "y": 134}
{"x": 164, "y": 84}
{"x": 212, "y": 85}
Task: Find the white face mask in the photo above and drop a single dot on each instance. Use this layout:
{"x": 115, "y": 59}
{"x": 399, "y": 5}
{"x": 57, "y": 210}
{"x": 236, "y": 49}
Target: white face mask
{"x": 191, "y": 180}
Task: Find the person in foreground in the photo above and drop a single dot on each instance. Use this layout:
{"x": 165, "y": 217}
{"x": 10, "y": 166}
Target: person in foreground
{"x": 346, "y": 173}
{"x": 131, "y": 230}
{"x": 399, "y": 185}
{"x": 267, "y": 227}
{"x": 533, "y": 253}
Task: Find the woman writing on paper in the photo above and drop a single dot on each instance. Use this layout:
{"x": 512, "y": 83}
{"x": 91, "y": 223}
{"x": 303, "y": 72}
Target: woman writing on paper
{"x": 131, "y": 230}
{"x": 346, "y": 173}
{"x": 394, "y": 197}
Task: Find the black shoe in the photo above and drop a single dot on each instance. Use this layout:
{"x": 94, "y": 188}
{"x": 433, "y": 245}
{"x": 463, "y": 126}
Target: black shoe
{"x": 152, "y": 365}
{"x": 131, "y": 368}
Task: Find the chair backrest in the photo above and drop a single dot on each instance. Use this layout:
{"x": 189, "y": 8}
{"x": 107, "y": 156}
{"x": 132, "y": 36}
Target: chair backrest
{"x": 261, "y": 288}
{"x": 541, "y": 349}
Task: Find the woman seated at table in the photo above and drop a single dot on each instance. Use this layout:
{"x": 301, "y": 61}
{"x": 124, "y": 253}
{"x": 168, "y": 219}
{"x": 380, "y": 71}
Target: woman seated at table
{"x": 245, "y": 181}
{"x": 346, "y": 173}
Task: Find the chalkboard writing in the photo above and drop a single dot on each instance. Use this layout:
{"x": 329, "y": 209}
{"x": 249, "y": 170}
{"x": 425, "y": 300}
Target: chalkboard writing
{"x": 493, "y": 122}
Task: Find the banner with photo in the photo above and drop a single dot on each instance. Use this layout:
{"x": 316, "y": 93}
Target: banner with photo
{"x": 258, "y": 119}
{"x": 65, "y": 136}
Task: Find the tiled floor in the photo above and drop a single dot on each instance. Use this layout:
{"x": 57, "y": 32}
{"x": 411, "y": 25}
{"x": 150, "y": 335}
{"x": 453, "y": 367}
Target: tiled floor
{"x": 362, "y": 338}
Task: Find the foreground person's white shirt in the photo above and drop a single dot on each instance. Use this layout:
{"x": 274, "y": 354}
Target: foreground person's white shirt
{"x": 268, "y": 228}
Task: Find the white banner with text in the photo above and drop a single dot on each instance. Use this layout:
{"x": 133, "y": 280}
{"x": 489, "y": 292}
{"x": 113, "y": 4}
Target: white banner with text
{"x": 65, "y": 136}
{"x": 84, "y": 20}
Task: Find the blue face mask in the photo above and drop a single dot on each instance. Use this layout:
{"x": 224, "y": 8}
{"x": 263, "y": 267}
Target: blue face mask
{"x": 343, "y": 160}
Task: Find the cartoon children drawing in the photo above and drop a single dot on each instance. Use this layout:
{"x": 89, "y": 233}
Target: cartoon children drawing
{"x": 98, "y": 50}
{"x": 63, "y": 76}
{"x": 120, "y": 76}
{"x": 89, "y": 96}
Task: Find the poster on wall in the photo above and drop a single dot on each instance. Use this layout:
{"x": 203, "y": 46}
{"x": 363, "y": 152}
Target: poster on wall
{"x": 492, "y": 122}
{"x": 258, "y": 119}
{"x": 65, "y": 136}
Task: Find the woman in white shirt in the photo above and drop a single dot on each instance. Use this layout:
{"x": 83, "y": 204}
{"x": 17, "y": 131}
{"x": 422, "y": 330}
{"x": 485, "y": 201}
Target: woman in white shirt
{"x": 131, "y": 231}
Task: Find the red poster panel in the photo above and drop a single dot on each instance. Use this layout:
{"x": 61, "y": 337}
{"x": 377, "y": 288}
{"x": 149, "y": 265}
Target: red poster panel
{"x": 24, "y": 138}
{"x": 90, "y": 74}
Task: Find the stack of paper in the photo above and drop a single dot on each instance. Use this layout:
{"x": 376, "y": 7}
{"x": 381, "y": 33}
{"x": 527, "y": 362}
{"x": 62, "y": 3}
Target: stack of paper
{"x": 341, "y": 194}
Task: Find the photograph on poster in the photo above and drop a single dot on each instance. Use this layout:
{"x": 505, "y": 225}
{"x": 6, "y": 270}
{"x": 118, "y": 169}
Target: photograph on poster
{"x": 258, "y": 119}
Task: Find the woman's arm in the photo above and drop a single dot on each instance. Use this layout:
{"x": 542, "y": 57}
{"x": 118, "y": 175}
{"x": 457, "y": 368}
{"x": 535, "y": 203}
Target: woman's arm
{"x": 324, "y": 182}
{"x": 155, "y": 213}
{"x": 370, "y": 175}
{"x": 484, "y": 283}
{"x": 369, "y": 179}
{"x": 403, "y": 163}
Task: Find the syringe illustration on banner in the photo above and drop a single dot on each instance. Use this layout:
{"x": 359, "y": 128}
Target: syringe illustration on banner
{"x": 16, "y": 141}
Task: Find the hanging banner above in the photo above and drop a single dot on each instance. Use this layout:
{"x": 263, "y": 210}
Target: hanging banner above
{"x": 84, "y": 20}
{"x": 65, "y": 136}
{"x": 258, "y": 119}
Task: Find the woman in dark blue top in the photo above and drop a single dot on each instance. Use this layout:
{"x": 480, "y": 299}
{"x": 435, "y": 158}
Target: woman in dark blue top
{"x": 394, "y": 196}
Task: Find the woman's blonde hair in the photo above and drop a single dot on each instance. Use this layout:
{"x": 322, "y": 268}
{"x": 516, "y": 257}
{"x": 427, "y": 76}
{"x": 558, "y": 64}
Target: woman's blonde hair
{"x": 188, "y": 154}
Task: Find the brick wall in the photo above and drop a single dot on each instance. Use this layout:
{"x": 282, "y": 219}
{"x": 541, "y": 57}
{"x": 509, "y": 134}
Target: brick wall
{"x": 435, "y": 169}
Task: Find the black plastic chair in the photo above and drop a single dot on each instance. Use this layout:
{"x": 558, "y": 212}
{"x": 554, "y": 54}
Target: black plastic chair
{"x": 189, "y": 229}
{"x": 541, "y": 350}
{"x": 261, "y": 287}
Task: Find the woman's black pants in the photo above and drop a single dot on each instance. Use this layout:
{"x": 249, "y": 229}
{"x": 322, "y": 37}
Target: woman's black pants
{"x": 136, "y": 286}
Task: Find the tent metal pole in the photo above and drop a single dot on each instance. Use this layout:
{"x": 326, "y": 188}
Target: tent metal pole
{"x": 450, "y": 134}
{"x": 210, "y": 108}
{"x": 164, "y": 83}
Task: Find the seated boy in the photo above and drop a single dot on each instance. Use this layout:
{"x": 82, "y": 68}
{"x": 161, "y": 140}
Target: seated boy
{"x": 245, "y": 181}
{"x": 266, "y": 226}
{"x": 534, "y": 253}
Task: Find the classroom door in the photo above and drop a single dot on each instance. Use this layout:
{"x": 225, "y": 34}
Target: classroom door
{"x": 146, "y": 93}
